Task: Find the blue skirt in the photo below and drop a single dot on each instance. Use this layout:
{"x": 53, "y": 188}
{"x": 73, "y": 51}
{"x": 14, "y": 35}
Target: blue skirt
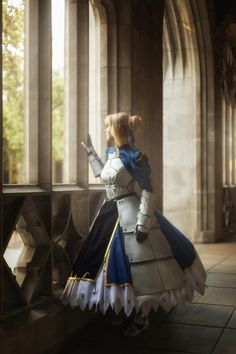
{"x": 105, "y": 243}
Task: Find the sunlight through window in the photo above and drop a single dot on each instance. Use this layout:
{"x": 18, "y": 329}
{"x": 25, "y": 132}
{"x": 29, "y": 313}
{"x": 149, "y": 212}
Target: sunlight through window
{"x": 58, "y": 34}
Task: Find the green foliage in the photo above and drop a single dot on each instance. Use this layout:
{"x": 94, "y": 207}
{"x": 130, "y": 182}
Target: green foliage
{"x": 13, "y": 61}
{"x": 13, "y": 95}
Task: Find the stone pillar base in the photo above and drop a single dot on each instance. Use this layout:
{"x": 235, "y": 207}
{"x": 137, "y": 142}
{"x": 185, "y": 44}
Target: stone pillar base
{"x": 211, "y": 236}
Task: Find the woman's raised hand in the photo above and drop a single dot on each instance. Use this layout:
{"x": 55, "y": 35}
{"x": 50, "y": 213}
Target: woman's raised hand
{"x": 88, "y": 147}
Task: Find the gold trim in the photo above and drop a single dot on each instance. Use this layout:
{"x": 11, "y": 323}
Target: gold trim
{"x": 139, "y": 158}
{"x": 81, "y": 278}
{"x": 106, "y": 267}
{"x": 112, "y": 236}
{"x": 118, "y": 284}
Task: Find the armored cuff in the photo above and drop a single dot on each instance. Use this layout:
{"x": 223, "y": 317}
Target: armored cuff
{"x": 96, "y": 164}
{"x": 145, "y": 214}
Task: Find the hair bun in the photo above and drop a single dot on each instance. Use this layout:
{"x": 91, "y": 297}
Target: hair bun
{"x": 135, "y": 122}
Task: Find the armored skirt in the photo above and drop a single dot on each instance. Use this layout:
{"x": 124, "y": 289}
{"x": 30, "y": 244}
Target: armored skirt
{"x": 114, "y": 270}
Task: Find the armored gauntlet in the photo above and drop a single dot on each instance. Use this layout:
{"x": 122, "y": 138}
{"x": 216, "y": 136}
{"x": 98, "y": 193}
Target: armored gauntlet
{"x": 145, "y": 215}
{"x": 94, "y": 160}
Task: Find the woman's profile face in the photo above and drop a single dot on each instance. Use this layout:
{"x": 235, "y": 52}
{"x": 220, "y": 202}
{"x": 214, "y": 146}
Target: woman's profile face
{"x": 108, "y": 133}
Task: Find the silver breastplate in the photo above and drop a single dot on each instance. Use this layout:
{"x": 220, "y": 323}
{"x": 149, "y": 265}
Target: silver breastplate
{"x": 116, "y": 178}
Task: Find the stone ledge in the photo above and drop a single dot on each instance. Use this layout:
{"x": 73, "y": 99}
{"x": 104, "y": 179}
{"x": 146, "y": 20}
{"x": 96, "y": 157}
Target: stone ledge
{"x": 41, "y": 328}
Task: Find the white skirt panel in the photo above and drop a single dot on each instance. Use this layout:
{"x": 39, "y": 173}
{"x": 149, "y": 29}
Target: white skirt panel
{"x": 84, "y": 293}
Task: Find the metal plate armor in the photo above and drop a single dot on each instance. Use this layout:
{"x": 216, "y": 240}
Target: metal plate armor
{"x": 151, "y": 260}
{"x": 116, "y": 178}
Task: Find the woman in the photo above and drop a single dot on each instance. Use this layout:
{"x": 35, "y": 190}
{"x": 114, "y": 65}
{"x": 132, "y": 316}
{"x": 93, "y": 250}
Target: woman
{"x": 133, "y": 257}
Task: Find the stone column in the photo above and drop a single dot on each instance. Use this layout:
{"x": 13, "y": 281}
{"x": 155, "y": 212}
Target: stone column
{"x": 180, "y": 117}
{"x": 124, "y": 56}
{"x": 206, "y": 137}
{"x": 98, "y": 76}
{"x": 45, "y": 95}
{"x": 146, "y": 84}
{"x": 70, "y": 93}
{"x": 82, "y": 90}
{"x": 112, "y": 57}
{"x": 233, "y": 145}
{"x": 31, "y": 91}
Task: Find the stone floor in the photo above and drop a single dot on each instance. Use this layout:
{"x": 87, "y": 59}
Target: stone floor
{"x": 207, "y": 325}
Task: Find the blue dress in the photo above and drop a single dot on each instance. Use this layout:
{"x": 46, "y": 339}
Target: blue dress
{"x": 103, "y": 275}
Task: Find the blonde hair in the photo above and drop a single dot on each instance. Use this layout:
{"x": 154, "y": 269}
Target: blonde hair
{"x": 122, "y": 124}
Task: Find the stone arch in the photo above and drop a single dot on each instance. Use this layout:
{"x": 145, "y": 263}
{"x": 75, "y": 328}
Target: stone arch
{"x": 111, "y": 54}
{"x": 188, "y": 107}
{"x": 98, "y": 75}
